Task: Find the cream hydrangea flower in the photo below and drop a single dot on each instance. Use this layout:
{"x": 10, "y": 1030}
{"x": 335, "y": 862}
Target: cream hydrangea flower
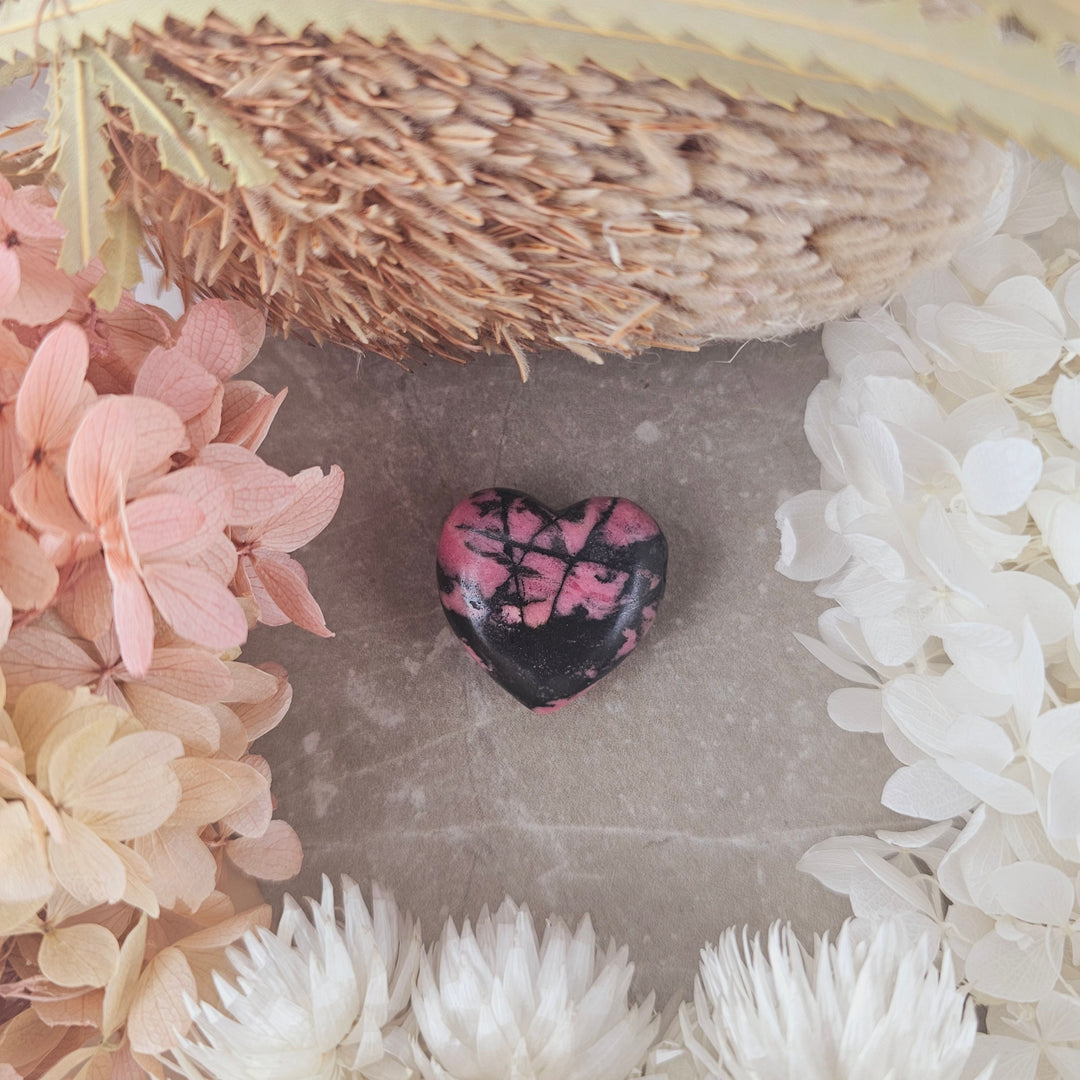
{"x": 317, "y": 1000}
{"x": 497, "y": 1004}
{"x": 855, "y": 1009}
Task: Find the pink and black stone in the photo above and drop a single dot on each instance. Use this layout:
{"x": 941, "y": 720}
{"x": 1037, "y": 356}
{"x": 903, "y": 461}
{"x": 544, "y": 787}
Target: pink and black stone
{"x": 549, "y": 602}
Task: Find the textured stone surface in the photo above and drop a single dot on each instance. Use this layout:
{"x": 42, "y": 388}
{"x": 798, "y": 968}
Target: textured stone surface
{"x": 676, "y": 796}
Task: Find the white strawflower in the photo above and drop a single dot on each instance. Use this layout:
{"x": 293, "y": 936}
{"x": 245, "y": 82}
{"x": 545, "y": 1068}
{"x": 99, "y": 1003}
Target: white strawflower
{"x": 856, "y": 1009}
{"x": 317, "y": 1000}
{"x": 495, "y": 1005}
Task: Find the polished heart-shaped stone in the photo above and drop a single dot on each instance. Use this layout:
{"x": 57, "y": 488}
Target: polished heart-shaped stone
{"x": 548, "y": 602}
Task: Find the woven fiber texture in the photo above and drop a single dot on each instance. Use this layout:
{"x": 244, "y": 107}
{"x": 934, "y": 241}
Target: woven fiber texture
{"x": 458, "y": 204}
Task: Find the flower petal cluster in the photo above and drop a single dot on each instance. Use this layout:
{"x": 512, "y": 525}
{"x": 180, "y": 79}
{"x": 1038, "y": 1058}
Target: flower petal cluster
{"x": 946, "y": 531}
{"x": 857, "y": 1008}
{"x": 134, "y": 817}
{"x": 497, "y": 1002}
{"x": 319, "y": 999}
{"x": 356, "y": 995}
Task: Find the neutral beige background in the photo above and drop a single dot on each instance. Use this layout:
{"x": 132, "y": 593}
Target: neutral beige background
{"x": 675, "y": 797}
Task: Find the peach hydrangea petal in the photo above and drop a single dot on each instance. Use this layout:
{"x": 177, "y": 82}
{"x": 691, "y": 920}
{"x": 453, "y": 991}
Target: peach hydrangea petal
{"x": 10, "y": 275}
{"x": 194, "y": 725}
{"x": 52, "y": 386}
{"x": 45, "y": 293}
{"x": 247, "y": 412}
{"x": 27, "y": 578}
{"x": 285, "y": 582}
{"x": 26, "y": 874}
{"x": 41, "y": 499}
{"x": 120, "y": 989}
{"x": 171, "y": 377}
{"x": 100, "y": 460}
{"x": 258, "y": 489}
{"x": 210, "y": 335}
{"x": 158, "y": 1015}
{"x": 299, "y": 522}
{"x": 80, "y": 955}
{"x": 85, "y": 865}
{"x": 195, "y": 605}
{"x": 274, "y": 856}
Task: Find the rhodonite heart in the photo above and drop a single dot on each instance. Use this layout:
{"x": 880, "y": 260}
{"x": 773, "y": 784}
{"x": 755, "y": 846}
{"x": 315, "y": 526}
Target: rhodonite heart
{"x": 549, "y": 602}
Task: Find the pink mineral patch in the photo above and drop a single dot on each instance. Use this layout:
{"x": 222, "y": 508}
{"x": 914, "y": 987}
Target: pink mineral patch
{"x": 538, "y": 612}
{"x": 594, "y": 588}
{"x": 545, "y": 572}
{"x": 524, "y": 524}
{"x": 575, "y": 533}
{"x": 483, "y": 663}
{"x": 551, "y": 706}
{"x": 629, "y": 524}
{"x": 629, "y": 642}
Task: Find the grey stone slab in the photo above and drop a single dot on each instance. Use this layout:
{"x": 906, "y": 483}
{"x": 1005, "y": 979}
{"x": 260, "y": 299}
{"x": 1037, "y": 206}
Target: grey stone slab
{"x": 675, "y": 797}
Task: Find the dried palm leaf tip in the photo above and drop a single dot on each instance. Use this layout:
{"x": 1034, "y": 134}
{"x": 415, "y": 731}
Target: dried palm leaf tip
{"x": 459, "y": 204}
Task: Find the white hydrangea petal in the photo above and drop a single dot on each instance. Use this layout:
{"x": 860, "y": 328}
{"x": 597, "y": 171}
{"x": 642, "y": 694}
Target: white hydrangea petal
{"x": 981, "y": 742}
{"x": 1006, "y": 1057}
{"x": 990, "y": 538}
{"x": 1063, "y": 799}
{"x": 848, "y": 340}
{"x": 999, "y": 475}
{"x": 1003, "y": 794}
{"x": 886, "y": 891}
{"x": 1072, "y": 187}
{"x": 876, "y": 552}
{"x": 809, "y": 551}
{"x": 883, "y": 454}
{"x": 901, "y": 402}
{"x": 986, "y": 416}
{"x": 976, "y": 853}
{"x": 925, "y": 837}
{"x": 1065, "y": 402}
{"x": 918, "y": 712}
{"x": 1015, "y": 337}
{"x": 1021, "y": 970}
{"x": 894, "y": 639}
{"x": 1059, "y": 1018}
{"x": 1055, "y": 736}
{"x": 950, "y": 559}
{"x": 1015, "y": 597}
{"x": 856, "y": 708}
{"x": 984, "y": 654}
{"x": 1038, "y": 196}
{"x": 924, "y": 790}
{"x": 1033, "y": 892}
{"x": 1066, "y": 1059}
{"x": 929, "y": 463}
{"x": 835, "y": 861}
{"x": 1058, "y": 517}
{"x": 862, "y": 591}
{"x": 840, "y": 665}
{"x": 818, "y": 428}
{"x": 988, "y": 263}
{"x": 1014, "y": 164}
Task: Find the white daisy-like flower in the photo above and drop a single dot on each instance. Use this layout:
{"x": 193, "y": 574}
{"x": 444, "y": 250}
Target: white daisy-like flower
{"x": 496, "y": 1004}
{"x": 855, "y": 1009}
{"x": 317, "y": 1000}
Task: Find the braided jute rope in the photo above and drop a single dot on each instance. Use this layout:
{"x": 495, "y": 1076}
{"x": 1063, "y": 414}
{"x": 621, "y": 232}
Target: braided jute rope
{"x": 459, "y": 204}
